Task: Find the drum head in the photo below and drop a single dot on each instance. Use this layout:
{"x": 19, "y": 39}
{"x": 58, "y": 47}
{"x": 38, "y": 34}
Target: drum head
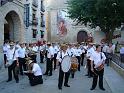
{"x": 66, "y": 63}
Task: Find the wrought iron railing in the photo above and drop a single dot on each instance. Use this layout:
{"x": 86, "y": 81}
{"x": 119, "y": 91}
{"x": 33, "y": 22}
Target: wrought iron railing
{"x": 116, "y": 58}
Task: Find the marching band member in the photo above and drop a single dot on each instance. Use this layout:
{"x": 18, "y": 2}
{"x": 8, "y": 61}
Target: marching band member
{"x": 97, "y": 67}
{"x": 42, "y": 52}
{"x": 22, "y": 61}
{"x": 78, "y": 53}
{"x": 6, "y": 46}
{"x": 35, "y": 49}
{"x": 70, "y": 52}
{"x": 50, "y": 54}
{"x": 83, "y": 49}
{"x": 34, "y": 73}
{"x": 12, "y": 55}
{"x": 90, "y": 52}
{"x": 60, "y": 56}
{"x": 56, "y": 50}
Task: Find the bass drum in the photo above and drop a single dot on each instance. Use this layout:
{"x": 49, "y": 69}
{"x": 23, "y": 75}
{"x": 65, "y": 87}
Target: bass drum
{"x": 66, "y": 63}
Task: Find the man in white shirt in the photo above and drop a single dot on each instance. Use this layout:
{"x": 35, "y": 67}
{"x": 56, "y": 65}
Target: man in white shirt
{"x": 50, "y": 54}
{"x": 6, "y": 46}
{"x": 90, "y": 52}
{"x": 34, "y": 74}
{"x": 56, "y": 50}
{"x": 97, "y": 67}
{"x": 35, "y": 49}
{"x": 42, "y": 52}
{"x": 122, "y": 54}
{"x": 63, "y": 52}
{"x": 77, "y": 53}
{"x": 12, "y": 59}
{"x": 22, "y": 61}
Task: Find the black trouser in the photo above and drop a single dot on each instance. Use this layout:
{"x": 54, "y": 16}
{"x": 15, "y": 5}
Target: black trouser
{"x": 41, "y": 57}
{"x": 61, "y": 76}
{"x": 49, "y": 66}
{"x": 5, "y": 58}
{"x": 55, "y": 55}
{"x": 82, "y": 61}
{"x": 95, "y": 78}
{"x": 22, "y": 65}
{"x": 12, "y": 68}
{"x": 89, "y": 67}
{"x": 34, "y": 80}
{"x": 79, "y": 60}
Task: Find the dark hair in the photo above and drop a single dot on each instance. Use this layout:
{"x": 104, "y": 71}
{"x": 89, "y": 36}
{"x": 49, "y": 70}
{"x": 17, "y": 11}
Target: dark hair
{"x": 97, "y": 46}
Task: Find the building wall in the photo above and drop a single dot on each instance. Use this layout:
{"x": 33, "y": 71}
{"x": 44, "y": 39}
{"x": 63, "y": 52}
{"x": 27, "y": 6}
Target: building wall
{"x": 17, "y": 7}
{"x": 53, "y": 7}
{"x": 29, "y": 37}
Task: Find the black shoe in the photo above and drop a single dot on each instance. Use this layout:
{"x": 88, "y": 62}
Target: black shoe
{"x": 86, "y": 75}
{"x": 8, "y": 80}
{"x": 50, "y": 75}
{"x": 45, "y": 74}
{"x": 102, "y": 89}
{"x": 17, "y": 81}
{"x": 66, "y": 85}
{"x": 60, "y": 88}
{"x": 89, "y": 76}
{"x": 92, "y": 88}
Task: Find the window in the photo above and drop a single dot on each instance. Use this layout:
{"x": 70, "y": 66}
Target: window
{"x": 34, "y": 33}
{"x": 42, "y": 34}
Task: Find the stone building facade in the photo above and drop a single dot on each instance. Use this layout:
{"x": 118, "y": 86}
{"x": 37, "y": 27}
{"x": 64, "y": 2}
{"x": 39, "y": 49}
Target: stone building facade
{"x": 34, "y": 20}
{"x": 11, "y": 22}
{"x": 74, "y": 33}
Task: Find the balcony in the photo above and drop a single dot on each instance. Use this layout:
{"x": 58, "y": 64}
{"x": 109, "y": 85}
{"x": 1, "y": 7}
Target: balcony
{"x": 43, "y": 24}
{"x": 3, "y": 2}
{"x": 35, "y": 21}
{"x": 35, "y": 3}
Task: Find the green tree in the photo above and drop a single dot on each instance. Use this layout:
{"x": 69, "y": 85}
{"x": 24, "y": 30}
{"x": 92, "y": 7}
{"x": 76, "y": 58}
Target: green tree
{"x": 107, "y": 14}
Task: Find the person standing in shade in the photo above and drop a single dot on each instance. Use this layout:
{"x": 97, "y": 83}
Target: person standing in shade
{"x": 50, "y": 54}
{"x": 12, "y": 55}
{"x": 122, "y": 53}
{"x": 77, "y": 53}
{"x": 22, "y": 61}
{"x": 63, "y": 52}
{"x": 97, "y": 67}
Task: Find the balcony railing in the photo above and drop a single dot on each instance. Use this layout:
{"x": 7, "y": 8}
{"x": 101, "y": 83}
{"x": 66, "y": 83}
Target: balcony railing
{"x": 35, "y": 21}
{"x": 35, "y": 3}
{"x": 3, "y": 2}
{"x": 43, "y": 24}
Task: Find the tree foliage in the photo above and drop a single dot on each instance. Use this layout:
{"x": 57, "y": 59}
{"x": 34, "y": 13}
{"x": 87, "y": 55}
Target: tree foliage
{"x": 107, "y": 14}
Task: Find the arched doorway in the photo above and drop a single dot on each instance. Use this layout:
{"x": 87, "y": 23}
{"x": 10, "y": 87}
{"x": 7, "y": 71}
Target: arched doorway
{"x": 82, "y": 36}
{"x": 12, "y": 26}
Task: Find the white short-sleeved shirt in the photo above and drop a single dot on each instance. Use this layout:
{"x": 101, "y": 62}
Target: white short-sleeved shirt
{"x": 105, "y": 48}
{"x": 56, "y": 49}
{"x": 70, "y": 52}
{"x": 5, "y": 48}
{"x": 35, "y": 48}
{"x": 77, "y": 52}
{"x": 90, "y": 52}
{"x": 42, "y": 48}
{"x": 22, "y": 52}
{"x": 98, "y": 58}
{"x": 61, "y": 55}
{"x": 50, "y": 52}
{"x": 36, "y": 69}
{"x": 10, "y": 54}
